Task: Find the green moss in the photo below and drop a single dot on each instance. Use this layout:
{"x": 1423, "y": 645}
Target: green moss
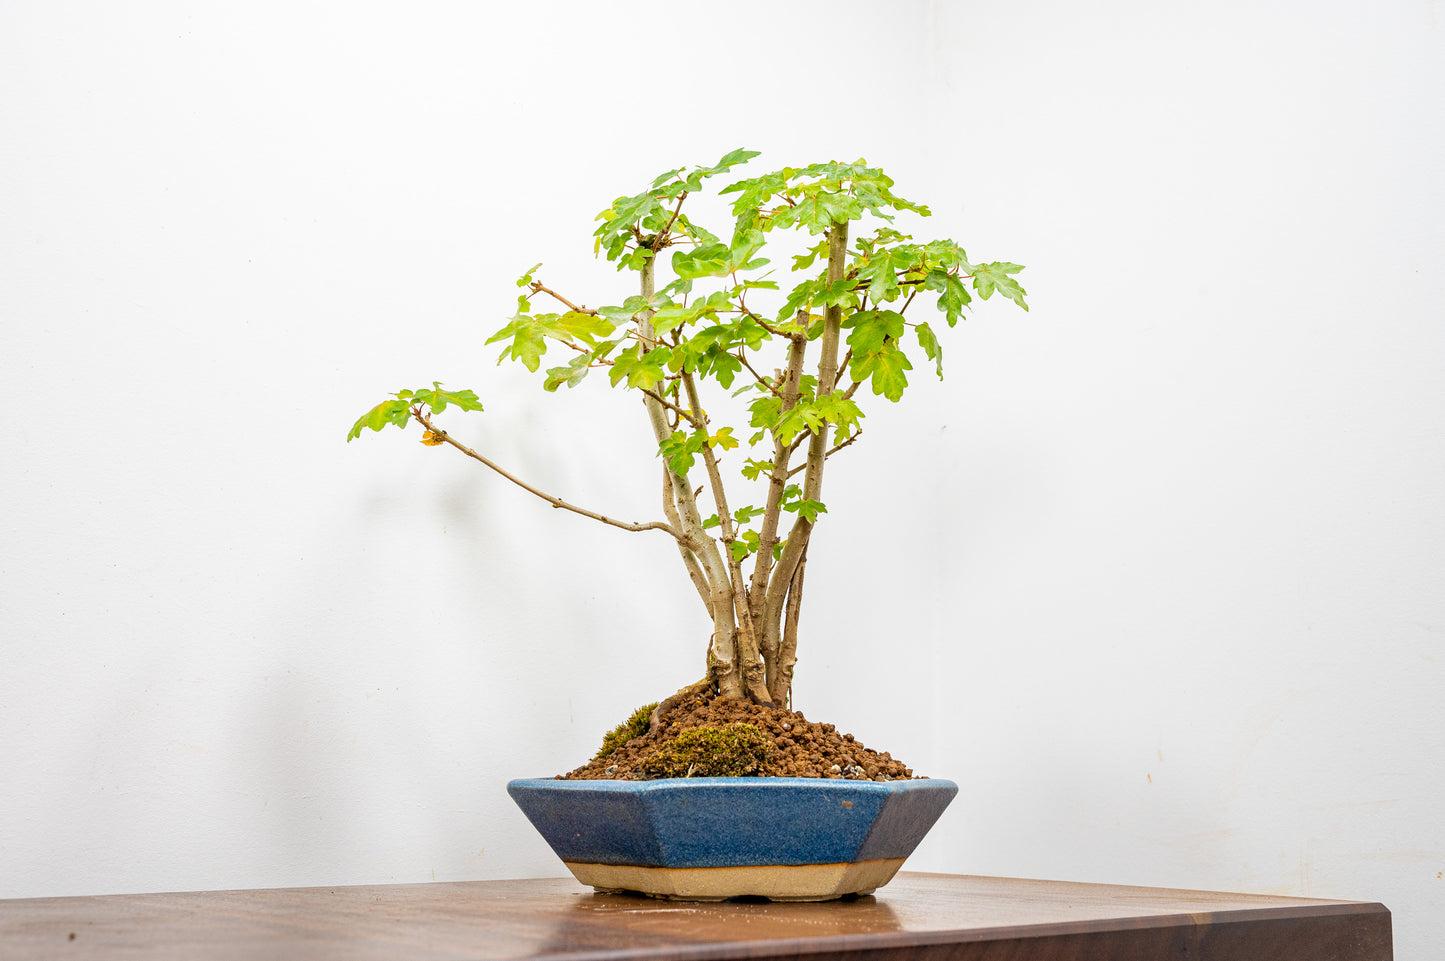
{"x": 626, "y": 731}
{"x": 733, "y": 750}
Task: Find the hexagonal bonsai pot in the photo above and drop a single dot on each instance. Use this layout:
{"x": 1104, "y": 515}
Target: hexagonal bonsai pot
{"x": 707, "y": 839}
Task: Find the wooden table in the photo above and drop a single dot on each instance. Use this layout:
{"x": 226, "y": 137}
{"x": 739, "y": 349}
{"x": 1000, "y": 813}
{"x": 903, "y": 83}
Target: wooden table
{"x": 930, "y": 916}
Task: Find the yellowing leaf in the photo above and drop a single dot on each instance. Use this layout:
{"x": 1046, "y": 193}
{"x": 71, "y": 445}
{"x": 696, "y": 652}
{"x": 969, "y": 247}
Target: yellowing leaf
{"x": 724, "y": 439}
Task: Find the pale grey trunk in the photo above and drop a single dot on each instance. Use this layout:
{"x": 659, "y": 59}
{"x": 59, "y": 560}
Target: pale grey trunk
{"x": 784, "y": 584}
{"x": 704, "y": 561}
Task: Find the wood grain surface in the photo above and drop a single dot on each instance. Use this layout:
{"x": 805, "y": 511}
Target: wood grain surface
{"x": 928, "y": 916}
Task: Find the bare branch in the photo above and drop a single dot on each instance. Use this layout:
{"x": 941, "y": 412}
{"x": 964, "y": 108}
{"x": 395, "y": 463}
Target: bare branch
{"x": 742, "y": 358}
{"x": 675, "y": 211}
{"x": 672, "y": 407}
{"x": 831, "y": 451}
{"x": 911, "y": 294}
{"x": 762, "y": 323}
{"x": 689, "y": 559}
{"x": 438, "y": 434}
{"x": 537, "y": 288}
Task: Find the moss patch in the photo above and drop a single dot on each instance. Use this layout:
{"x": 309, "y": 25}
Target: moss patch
{"x": 635, "y": 725}
{"x": 732, "y": 750}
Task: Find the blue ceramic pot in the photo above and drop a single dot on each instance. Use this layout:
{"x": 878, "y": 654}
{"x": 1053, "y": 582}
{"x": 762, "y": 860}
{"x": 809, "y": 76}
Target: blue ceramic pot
{"x": 705, "y": 839}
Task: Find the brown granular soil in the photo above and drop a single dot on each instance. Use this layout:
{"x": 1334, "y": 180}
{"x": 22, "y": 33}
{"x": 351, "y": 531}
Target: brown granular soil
{"x": 800, "y": 748}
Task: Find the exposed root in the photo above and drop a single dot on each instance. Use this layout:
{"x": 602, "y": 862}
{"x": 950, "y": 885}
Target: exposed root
{"x": 697, "y": 687}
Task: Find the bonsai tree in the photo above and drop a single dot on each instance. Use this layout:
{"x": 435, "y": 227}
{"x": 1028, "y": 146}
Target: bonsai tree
{"x": 740, "y": 500}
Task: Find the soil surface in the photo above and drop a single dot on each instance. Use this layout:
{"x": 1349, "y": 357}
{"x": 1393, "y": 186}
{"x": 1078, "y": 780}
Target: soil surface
{"x": 799, "y": 747}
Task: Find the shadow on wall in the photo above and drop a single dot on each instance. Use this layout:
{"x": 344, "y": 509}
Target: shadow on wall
{"x": 408, "y": 680}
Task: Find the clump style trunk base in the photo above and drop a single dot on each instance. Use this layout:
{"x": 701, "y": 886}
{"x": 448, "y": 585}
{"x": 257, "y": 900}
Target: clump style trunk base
{"x": 796, "y": 356}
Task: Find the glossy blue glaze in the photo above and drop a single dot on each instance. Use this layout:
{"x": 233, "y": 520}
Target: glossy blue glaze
{"x": 720, "y": 822}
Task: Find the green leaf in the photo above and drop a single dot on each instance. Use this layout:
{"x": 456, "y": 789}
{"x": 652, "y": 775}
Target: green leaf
{"x": 639, "y": 369}
{"x": 805, "y": 260}
{"x": 438, "y": 399}
{"x": 887, "y": 372}
{"x": 882, "y": 267}
{"x": 871, "y": 329}
{"x": 586, "y": 327}
{"x": 996, "y": 276}
{"x": 744, "y": 543}
{"x": 953, "y": 296}
{"x": 808, "y": 509}
{"x": 804, "y": 416}
{"x": 394, "y": 412}
{"x": 732, "y": 159}
{"x": 836, "y": 294}
{"x": 744, "y": 514}
{"x": 840, "y": 411}
{"x": 799, "y": 298}
{"x": 753, "y": 469}
{"x": 723, "y": 438}
{"x": 706, "y": 260}
{"x": 571, "y": 374}
{"x": 931, "y": 348}
{"x": 876, "y": 355}
{"x": 764, "y": 409}
{"x": 724, "y": 367}
{"x": 397, "y": 412}
{"x": 820, "y": 210}
{"x": 528, "y": 334}
{"x": 681, "y": 449}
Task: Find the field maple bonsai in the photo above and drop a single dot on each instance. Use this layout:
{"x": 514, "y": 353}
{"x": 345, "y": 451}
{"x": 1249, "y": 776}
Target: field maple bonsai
{"x": 795, "y": 357}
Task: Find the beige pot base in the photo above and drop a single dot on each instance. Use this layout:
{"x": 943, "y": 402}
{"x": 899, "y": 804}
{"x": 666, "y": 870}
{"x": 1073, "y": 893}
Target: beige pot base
{"x": 791, "y": 882}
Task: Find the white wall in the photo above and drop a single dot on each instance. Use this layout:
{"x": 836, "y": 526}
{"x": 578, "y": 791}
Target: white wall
{"x": 1166, "y": 596}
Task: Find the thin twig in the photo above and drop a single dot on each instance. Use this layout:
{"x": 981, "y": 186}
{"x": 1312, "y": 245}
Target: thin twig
{"x": 913, "y": 293}
{"x": 675, "y": 211}
{"x": 739, "y": 356}
{"x": 537, "y": 288}
{"x": 831, "y": 451}
{"x": 672, "y": 407}
{"x": 759, "y": 321}
{"x": 441, "y": 435}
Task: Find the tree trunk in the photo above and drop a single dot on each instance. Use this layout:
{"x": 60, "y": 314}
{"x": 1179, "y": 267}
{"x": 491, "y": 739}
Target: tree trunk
{"x": 755, "y": 624}
{"x": 701, "y": 555}
{"x": 780, "y": 669}
{"x": 781, "y": 583}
